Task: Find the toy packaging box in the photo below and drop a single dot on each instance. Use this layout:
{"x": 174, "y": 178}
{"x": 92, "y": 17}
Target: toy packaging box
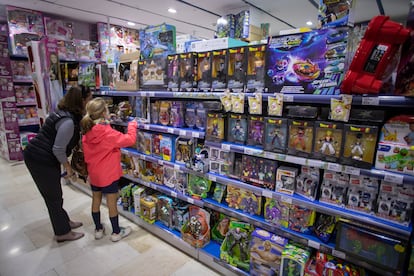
{"x": 328, "y": 141}
{"x": 9, "y": 116}
{"x": 293, "y": 261}
{"x": 177, "y": 114}
{"x": 167, "y": 146}
{"x": 250, "y": 203}
{"x": 362, "y": 194}
{"x": 334, "y": 188}
{"x": 219, "y": 70}
{"x": 311, "y": 62}
{"x": 300, "y": 138}
{"x": 152, "y": 73}
{"x": 198, "y": 186}
{"x": 86, "y": 50}
{"x": 286, "y": 179}
{"x": 173, "y": 72}
{"x": 334, "y": 14}
{"x": 21, "y": 70}
{"x": 10, "y": 147}
{"x": 188, "y": 71}
{"x": 395, "y": 150}
{"x": 138, "y": 194}
{"x": 307, "y": 183}
{"x": 256, "y": 126}
{"x": 276, "y": 212}
{"x": 233, "y": 197}
{"x": 255, "y": 73}
{"x": 66, "y": 50}
{"x": 383, "y": 250}
{"x": 221, "y": 161}
{"x": 196, "y": 231}
{"x": 157, "y": 41}
{"x": 165, "y": 210}
{"x": 237, "y": 128}
{"x": 59, "y": 29}
{"x": 149, "y": 208}
{"x": 259, "y": 171}
{"x": 184, "y": 150}
{"x": 276, "y": 134}
{"x": 236, "y": 69}
{"x": 265, "y": 253}
{"x": 6, "y": 87}
{"x": 164, "y": 113}
{"x": 204, "y": 61}
{"x": 226, "y": 26}
{"x": 128, "y": 72}
{"x": 215, "y": 130}
{"x": 86, "y": 74}
{"x": 359, "y": 145}
{"x": 156, "y": 145}
{"x": 301, "y": 219}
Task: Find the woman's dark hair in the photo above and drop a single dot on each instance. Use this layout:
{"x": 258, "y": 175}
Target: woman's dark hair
{"x": 73, "y": 100}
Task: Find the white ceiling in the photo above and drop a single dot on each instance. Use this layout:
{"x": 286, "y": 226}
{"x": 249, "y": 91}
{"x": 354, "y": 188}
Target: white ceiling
{"x": 198, "y": 17}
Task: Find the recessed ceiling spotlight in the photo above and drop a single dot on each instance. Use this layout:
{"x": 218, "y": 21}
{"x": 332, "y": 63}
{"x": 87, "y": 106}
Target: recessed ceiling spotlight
{"x": 171, "y": 10}
{"x": 309, "y": 23}
{"x": 131, "y": 23}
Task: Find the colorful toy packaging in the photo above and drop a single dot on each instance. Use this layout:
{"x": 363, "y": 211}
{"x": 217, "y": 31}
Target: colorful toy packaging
{"x": 156, "y": 145}
{"x": 300, "y": 138}
{"x": 334, "y": 188}
{"x": 251, "y": 203}
{"x": 221, "y": 161}
{"x": 188, "y": 71}
{"x": 256, "y": 131}
{"x": 336, "y": 13}
{"x": 165, "y": 210}
{"x": 175, "y": 179}
{"x": 294, "y": 259}
{"x": 180, "y": 214}
{"x": 157, "y": 41}
{"x": 204, "y": 61}
{"x": 325, "y": 227}
{"x": 177, "y": 114}
{"x": 265, "y": 253}
{"x": 149, "y": 208}
{"x": 219, "y": 70}
{"x": 259, "y": 171}
{"x": 286, "y": 179}
{"x": 138, "y": 194}
{"x": 200, "y": 160}
{"x": 255, "y": 74}
{"x": 293, "y": 68}
{"x": 196, "y": 231}
{"x": 362, "y": 194}
{"x": 173, "y": 72}
{"x": 301, "y": 219}
{"x": 276, "y": 133}
{"x": 215, "y": 126}
{"x": 328, "y": 141}
{"x": 307, "y": 183}
{"x": 184, "y": 150}
{"x": 236, "y": 69}
{"x": 395, "y": 150}
{"x": 235, "y": 247}
{"x": 233, "y": 197}
{"x": 237, "y": 128}
{"x": 164, "y": 116}
{"x": 277, "y": 212}
{"x": 220, "y": 228}
{"x": 198, "y": 186}
{"x": 167, "y": 147}
{"x": 152, "y": 73}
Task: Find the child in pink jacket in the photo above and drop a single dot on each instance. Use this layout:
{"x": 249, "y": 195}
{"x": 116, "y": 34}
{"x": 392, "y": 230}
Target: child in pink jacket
{"x": 101, "y": 147}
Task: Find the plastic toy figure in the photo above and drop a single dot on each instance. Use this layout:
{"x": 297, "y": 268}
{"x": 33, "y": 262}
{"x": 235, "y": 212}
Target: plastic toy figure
{"x": 299, "y": 139}
{"x": 257, "y": 133}
{"x": 357, "y": 150}
{"x": 327, "y": 142}
{"x": 237, "y": 238}
{"x": 195, "y": 227}
{"x": 259, "y": 67}
{"x": 221, "y": 75}
{"x": 277, "y": 137}
{"x": 249, "y": 205}
{"x": 214, "y": 129}
{"x": 238, "y": 131}
{"x": 238, "y": 67}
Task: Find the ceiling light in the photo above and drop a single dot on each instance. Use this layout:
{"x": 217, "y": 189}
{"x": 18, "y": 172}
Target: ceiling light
{"x": 171, "y": 10}
{"x": 131, "y": 23}
{"x": 222, "y": 21}
{"x": 309, "y": 23}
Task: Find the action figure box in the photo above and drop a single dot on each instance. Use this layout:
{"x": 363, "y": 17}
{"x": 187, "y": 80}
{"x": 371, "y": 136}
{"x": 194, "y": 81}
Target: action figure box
{"x": 198, "y": 186}
{"x": 86, "y": 74}
{"x": 177, "y": 114}
{"x": 204, "y": 61}
{"x": 259, "y": 171}
{"x": 216, "y": 126}
{"x": 307, "y": 183}
{"x": 196, "y": 231}
{"x": 276, "y": 212}
{"x": 128, "y": 72}
{"x": 157, "y": 41}
{"x": 184, "y": 150}
{"x": 149, "y": 208}
{"x": 265, "y": 253}
{"x": 311, "y": 62}
{"x": 152, "y": 73}
{"x": 300, "y": 138}
{"x": 276, "y": 134}
{"x": 359, "y": 145}
{"x": 293, "y": 261}
{"x": 236, "y": 69}
{"x": 167, "y": 146}
{"x": 237, "y": 128}
{"x": 138, "y": 194}
{"x": 301, "y": 219}
{"x": 221, "y": 161}
{"x": 226, "y": 26}
{"x": 362, "y": 194}
{"x": 86, "y": 50}
{"x": 337, "y": 13}
{"x": 219, "y": 70}
{"x": 286, "y": 179}
{"x": 334, "y": 188}
{"x": 256, "y": 126}
{"x": 66, "y": 50}
{"x": 173, "y": 72}
{"x": 328, "y": 141}
{"x": 188, "y": 71}
{"x": 255, "y": 73}
{"x": 165, "y": 210}
{"x": 10, "y": 148}
{"x": 395, "y": 147}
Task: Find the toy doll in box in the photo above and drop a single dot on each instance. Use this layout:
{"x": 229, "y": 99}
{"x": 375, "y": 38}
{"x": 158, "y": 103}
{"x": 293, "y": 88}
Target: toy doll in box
{"x": 286, "y": 179}
{"x": 215, "y": 127}
{"x": 294, "y": 259}
{"x": 255, "y": 74}
{"x": 265, "y": 253}
{"x": 395, "y": 150}
{"x": 219, "y": 70}
{"x": 188, "y": 71}
{"x": 165, "y": 113}
{"x": 236, "y": 69}
{"x": 256, "y": 131}
{"x": 190, "y": 114}
{"x": 276, "y": 212}
{"x": 300, "y": 138}
{"x": 204, "y": 71}
{"x": 180, "y": 214}
{"x": 173, "y": 72}
{"x": 149, "y": 208}
{"x": 167, "y": 146}
{"x": 184, "y": 150}
{"x": 197, "y": 229}
{"x": 198, "y": 187}
{"x": 359, "y": 145}
{"x": 237, "y": 128}
{"x": 233, "y": 197}
{"x": 328, "y": 141}
{"x": 250, "y": 202}
{"x": 165, "y": 210}
{"x": 147, "y": 143}
{"x": 275, "y": 134}
{"x": 155, "y": 112}
{"x": 156, "y": 145}
{"x": 301, "y": 219}
{"x": 177, "y": 114}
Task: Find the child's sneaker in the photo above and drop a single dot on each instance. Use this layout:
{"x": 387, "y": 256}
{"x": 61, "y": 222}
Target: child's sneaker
{"x": 100, "y": 233}
{"x": 122, "y": 234}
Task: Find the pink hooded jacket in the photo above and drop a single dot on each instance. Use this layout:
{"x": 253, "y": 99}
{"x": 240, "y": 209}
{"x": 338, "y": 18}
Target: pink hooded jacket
{"x": 101, "y": 147}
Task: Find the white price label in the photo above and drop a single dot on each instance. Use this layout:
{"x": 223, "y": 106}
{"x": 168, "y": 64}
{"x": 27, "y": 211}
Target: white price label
{"x": 370, "y": 101}
{"x": 314, "y": 244}
{"x": 267, "y": 193}
{"x": 339, "y": 254}
{"x": 151, "y": 94}
{"x": 394, "y": 178}
{"x": 152, "y": 186}
{"x": 225, "y": 147}
{"x": 286, "y": 199}
{"x": 143, "y": 94}
{"x": 288, "y": 98}
{"x": 352, "y": 170}
{"x": 170, "y": 130}
{"x": 160, "y": 162}
{"x": 314, "y": 163}
{"x": 190, "y": 200}
{"x": 212, "y": 178}
{"x": 146, "y": 127}
{"x": 143, "y": 157}
{"x": 177, "y": 167}
{"x": 270, "y": 155}
{"x": 295, "y": 160}
{"x": 174, "y": 194}
{"x": 195, "y": 135}
{"x": 334, "y": 167}
{"x": 183, "y": 133}
{"x": 250, "y": 151}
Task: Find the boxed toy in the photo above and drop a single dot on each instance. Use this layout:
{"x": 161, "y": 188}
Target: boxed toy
{"x": 301, "y": 219}
{"x": 198, "y": 186}
{"x": 9, "y": 116}
{"x": 236, "y": 69}
{"x": 128, "y": 72}
{"x": 215, "y": 130}
{"x": 165, "y": 210}
{"x": 221, "y": 161}
{"x": 216, "y": 44}
{"x": 167, "y": 147}
{"x": 359, "y": 145}
{"x": 336, "y": 13}
{"x": 237, "y": 128}
{"x": 177, "y": 114}
{"x": 10, "y": 148}
{"x": 138, "y": 194}
{"x": 311, "y": 62}
{"x": 362, "y": 194}
{"x": 188, "y": 71}
{"x": 256, "y": 131}
{"x": 200, "y": 160}
{"x": 86, "y": 50}
{"x": 157, "y": 41}
{"x": 204, "y": 61}
{"x": 276, "y": 212}
{"x": 86, "y": 75}
{"x": 286, "y": 179}
{"x": 58, "y": 29}
{"x": 152, "y": 73}
{"x": 276, "y": 133}
{"x": 164, "y": 114}
{"x": 255, "y": 73}
{"x": 184, "y": 150}
{"x": 6, "y": 86}
{"x": 251, "y": 202}
{"x": 334, "y": 188}
{"x": 219, "y": 70}
{"x": 259, "y": 171}
{"x": 225, "y": 26}
{"x": 21, "y": 70}
{"x": 300, "y": 138}
{"x": 173, "y": 72}
{"x": 307, "y": 183}
{"x": 324, "y": 227}
{"x": 149, "y": 208}
{"x": 294, "y": 259}
{"x": 328, "y": 141}
{"x": 395, "y": 147}
{"x": 196, "y": 231}
{"x": 265, "y": 253}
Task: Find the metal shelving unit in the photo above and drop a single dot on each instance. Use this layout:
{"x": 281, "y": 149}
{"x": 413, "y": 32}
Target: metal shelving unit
{"x": 184, "y": 132}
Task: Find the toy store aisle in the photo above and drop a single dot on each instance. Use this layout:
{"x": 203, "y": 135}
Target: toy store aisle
{"x": 27, "y": 246}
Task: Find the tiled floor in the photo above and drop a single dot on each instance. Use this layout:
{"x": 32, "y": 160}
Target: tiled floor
{"x": 27, "y": 246}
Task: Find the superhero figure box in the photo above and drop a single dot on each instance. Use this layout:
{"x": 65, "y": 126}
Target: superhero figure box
{"x": 311, "y": 62}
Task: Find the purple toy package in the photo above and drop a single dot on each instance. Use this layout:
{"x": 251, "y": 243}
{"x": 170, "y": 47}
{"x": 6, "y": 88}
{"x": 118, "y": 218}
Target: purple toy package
{"x": 173, "y": 72}
{"x": 256, "y": 131}
{"x": 188, "y": 71}
{"x": 311, "y": 62}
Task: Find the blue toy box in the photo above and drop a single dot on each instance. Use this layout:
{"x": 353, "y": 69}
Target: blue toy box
{"x": 157, "y": 41}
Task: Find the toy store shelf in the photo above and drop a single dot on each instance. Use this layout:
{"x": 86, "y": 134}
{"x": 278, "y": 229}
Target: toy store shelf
{"x": 19, "y": 57}
{"x": 210, "y": 254}
{"x": 29, "y": 122}
{"x": 26, "y": 104}
{"x": 165, "y": 190}
{"x": 189, "y": 133}
{"x": 115, "y": 93}
{"x": 162, "y": 94}
{"x": 23, "y": 82}
{"x": 383, "y": 175}
{"x": 229, "y": 181}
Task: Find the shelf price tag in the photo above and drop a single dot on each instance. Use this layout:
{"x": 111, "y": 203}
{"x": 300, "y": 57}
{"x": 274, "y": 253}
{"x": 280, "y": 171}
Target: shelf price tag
{"x": 352, "y": 170}
{"x": 286, "y": 199}
{"x": 314, "y": 244}
{"x": 170, "y": 130}
{"x": 143, "y": 157}
{"x": 146, "y": 126}
{"x": 177, "y": 167}
{"x": 250, "y": 151}
{"x": 225, "y": 147}
{"x": 394, "y": 178}
{"x": 183, "y": 133}
{"x": 173, "y": 194}
{"x": 339, "y": 254}
{"x": 334, "y": 167}
{"x": 270, "y": 155}
{"x": 160, "y": 162}
{"x": 190, "y": 200}
{"x": 370, "y": 101}
{"x": 151, "y": 94}
{"x": 212, "y": 178}
{"x": 267, "y": 193}
{"x": 288, "y": 98}
{"x": 143, "y": 94}
{"x": 195, "y": 134}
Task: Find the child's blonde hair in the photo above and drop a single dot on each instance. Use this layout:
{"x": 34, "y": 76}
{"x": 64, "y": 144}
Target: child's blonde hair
{"x": 95, "y": 109}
